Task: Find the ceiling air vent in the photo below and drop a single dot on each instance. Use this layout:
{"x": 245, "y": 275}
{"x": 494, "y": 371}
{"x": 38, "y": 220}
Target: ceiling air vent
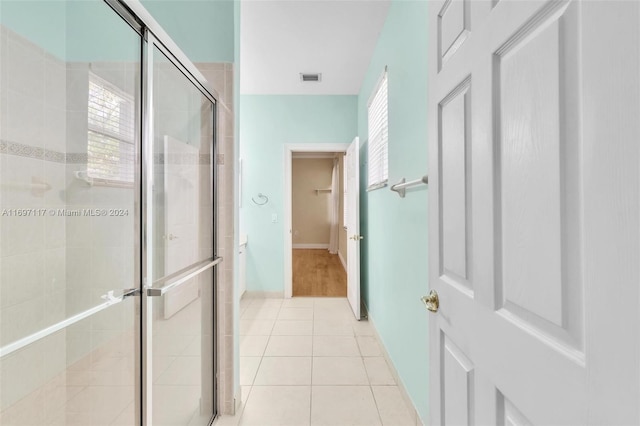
{"x": 317, "y": 77}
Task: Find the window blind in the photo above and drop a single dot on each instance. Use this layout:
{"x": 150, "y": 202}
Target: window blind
{"x": 378, "y": 156}
{"x": 110, "y": 141}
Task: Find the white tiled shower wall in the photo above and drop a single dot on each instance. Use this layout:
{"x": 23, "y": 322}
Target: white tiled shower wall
{"x": 55, "y": 266}
{"x": 32, "y": 251}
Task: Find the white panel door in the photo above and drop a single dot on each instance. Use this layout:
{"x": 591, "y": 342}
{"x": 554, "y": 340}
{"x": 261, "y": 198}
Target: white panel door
{"x": 181, "y": 191}
{"x": 353, "y": 226}
{"x": 534, "y": 151}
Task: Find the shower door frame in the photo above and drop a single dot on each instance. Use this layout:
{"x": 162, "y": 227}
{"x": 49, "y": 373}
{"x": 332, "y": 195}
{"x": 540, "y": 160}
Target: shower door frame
{"x": 134, "y": 13}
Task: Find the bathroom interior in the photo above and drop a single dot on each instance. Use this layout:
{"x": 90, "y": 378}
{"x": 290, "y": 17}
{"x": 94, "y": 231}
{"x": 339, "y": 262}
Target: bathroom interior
{"x": 112, "y": 150}
{"x": 140, "y": 284}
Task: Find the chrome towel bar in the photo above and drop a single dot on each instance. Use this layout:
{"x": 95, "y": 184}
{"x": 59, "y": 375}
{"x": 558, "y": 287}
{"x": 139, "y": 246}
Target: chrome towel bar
{"x": 401, "y": 186}
{"x": 25, "y": 341}
{"x": 181, "y": 277}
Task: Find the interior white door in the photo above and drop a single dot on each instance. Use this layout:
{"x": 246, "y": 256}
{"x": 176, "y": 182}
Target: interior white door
{"x": 353, "y": 226}
{"x": 181, "y": 220}
{"x": 534, "y": 205}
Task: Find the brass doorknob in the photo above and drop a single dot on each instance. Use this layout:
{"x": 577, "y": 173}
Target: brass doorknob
{"x": 356, "y": 237}
{"x": 431, "y": 301}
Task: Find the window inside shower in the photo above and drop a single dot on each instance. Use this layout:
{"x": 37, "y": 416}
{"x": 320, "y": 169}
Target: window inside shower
{"x": 111, "y": 132}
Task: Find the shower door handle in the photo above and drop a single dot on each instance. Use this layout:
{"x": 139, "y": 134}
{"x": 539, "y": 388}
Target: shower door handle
{"x": 177, "y": 279}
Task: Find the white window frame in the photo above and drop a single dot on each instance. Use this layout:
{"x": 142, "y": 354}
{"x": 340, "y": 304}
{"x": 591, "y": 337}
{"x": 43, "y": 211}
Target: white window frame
{"x": 120, "y": 134}
{"x": 378, "y": 135}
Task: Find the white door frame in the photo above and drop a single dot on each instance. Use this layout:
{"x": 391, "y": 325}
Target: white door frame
{"x": 289, "y": 149}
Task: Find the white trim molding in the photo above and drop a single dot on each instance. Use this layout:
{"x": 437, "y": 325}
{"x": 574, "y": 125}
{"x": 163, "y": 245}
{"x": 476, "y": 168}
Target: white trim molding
{"x": 311, "y": 246}
{"x": 344, "y": 262}
{"x": 289, "y": 149}
{"x": 313, "y": 155}
{"x": 262, "y": 295}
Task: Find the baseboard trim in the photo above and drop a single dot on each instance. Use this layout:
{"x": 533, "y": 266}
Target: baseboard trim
{"x": 344, "y": 263}
{"x": 263, "y": 295}
{"x": 311, "y": 246}
{"x": 394, "y": 372}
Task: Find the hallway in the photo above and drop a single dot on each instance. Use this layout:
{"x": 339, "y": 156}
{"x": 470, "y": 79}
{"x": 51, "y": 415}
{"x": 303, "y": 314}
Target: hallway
{"x": 307, "y": 361}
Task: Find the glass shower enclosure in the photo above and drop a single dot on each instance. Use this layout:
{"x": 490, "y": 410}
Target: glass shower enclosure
{"x": 107, "y": 244}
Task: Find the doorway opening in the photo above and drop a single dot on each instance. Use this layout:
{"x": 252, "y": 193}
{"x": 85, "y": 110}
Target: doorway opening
{"x": 319, "y": 236}
{"x": 307, "y": 196}
{"x": 350, "y": 154}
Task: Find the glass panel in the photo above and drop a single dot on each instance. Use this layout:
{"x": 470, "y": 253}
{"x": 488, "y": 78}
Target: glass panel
{"x": 182, "y": 328}
{"x": 70, "y": 96}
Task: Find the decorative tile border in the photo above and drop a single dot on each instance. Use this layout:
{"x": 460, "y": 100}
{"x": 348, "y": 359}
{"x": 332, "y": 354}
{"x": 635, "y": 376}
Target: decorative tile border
{"x": 76, "y": 158}
{"x": 55, "y": 156}
{"x": 28, "y": 151}
{"x": 205, "y": 159}
{"x": 201, "y": 159}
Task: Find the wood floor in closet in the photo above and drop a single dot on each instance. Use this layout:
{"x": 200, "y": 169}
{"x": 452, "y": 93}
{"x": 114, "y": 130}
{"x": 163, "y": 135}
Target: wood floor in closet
{"x": 316, "y": 272}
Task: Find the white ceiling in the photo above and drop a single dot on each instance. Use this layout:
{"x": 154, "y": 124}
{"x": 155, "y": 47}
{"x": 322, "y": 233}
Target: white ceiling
{"x": 280, "y": 39}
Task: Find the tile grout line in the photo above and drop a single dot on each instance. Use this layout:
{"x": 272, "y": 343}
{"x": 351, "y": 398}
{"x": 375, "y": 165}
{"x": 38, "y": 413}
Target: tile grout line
{"x": 257, "y": 370}
{"x": 375, "y": 401}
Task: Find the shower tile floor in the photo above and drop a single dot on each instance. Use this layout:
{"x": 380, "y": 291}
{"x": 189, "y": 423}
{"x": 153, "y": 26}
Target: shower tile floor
{"x": 307, "y": 361}
{"x": 99, "y": 389}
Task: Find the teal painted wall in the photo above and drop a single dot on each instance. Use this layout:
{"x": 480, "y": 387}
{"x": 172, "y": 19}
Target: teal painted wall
{"x": 73, "y": 30}
{"x": 267, "y": 124}
{"x": 394, "y": 251}
{"x": 88, "y": 30}
{"x": 95, "y": 33}
{"x": 41, "y": 22}
{"x": 204, "y": 29}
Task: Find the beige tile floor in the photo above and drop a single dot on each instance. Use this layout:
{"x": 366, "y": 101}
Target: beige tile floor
{"x": 307, "y": 361}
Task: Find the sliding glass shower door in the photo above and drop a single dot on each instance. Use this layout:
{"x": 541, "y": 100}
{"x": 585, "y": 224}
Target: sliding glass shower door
{"x": 69, "y": 207}
{"x": 106, "y": 221}
{"x": 179, "y": 246}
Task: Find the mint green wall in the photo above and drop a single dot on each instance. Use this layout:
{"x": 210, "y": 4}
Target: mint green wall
{"x": 41, "y": 22}
{"x": 95, "y": 33}
{"x": 88, "y": 30}
{"x": 73, "y": 30}
{"x": 394, "y": 250}
{"x": 204, "y": 29}
{"x": 268, "y": 123}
